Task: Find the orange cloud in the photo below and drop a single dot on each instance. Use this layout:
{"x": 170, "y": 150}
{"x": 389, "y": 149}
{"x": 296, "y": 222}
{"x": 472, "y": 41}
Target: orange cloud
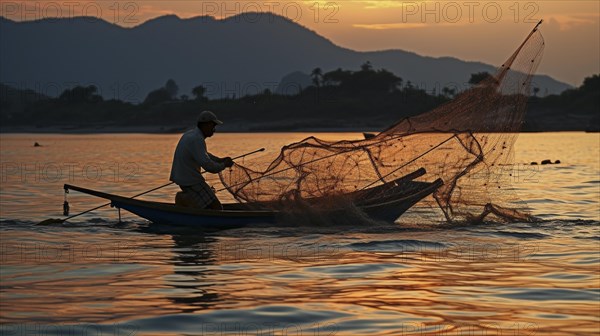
{"x": 567, "y": 22}
{"x": 407, "y": 25}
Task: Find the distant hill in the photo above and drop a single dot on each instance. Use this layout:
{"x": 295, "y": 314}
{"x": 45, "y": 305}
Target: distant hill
{"x": 293, "y": 83}
{"x": 230, "y": 57}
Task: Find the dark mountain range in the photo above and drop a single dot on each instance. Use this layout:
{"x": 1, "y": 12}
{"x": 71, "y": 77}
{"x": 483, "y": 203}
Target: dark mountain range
{"x": 230, "y": 57}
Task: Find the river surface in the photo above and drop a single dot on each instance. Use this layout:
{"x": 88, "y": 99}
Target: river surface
{"x": 95, "y": 275}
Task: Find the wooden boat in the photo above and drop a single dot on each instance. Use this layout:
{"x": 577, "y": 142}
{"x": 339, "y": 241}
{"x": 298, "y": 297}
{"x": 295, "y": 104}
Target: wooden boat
{"x": 397, "y": 197}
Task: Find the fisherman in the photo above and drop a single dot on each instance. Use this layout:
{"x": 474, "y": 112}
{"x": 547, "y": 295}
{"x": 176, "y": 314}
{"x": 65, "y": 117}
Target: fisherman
{"x": 191, "y": 155}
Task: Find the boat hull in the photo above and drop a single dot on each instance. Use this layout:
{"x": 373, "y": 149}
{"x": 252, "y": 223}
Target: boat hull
{"x": 208, "y": 219}
{"x": 388, "y": 209}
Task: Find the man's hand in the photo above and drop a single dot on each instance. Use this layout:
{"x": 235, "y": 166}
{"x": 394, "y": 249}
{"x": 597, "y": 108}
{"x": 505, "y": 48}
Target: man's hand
{"x": 228, "y": 162}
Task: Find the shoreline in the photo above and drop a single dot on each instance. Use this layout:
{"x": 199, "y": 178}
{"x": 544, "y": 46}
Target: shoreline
{"x": 179, "y": 130}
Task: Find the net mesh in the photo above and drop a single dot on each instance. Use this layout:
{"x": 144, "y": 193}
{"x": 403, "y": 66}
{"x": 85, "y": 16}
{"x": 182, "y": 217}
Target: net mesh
{"x": 468, "y": 143}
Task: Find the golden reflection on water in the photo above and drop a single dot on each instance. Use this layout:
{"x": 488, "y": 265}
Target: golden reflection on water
{"x": 127, "y": 164}
{"x": 470, "y": 286}
{"x": 521, "y": 279}
{"x": 50, "y": 277}
{"x": 124, "y": 164}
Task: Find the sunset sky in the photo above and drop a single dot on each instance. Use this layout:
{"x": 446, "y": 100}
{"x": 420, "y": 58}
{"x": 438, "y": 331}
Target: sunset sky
{"x": 486, "y": 31}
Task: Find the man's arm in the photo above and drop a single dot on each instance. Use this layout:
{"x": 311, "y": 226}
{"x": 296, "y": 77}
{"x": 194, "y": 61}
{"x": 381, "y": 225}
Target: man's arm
{"x": 227, "y": 161}
{"x": 204, "y": 159}
{"x": 214, "y": 158}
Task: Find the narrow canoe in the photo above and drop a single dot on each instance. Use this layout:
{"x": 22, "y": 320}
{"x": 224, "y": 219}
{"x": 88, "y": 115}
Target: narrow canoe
{"x": 237, "y": 215}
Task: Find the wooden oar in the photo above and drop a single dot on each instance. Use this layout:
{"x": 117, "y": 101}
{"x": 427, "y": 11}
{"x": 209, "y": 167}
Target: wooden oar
{"x": 61, "y": 220}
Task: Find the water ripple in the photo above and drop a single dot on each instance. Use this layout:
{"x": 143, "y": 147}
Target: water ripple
{"x": 554, "y": 294}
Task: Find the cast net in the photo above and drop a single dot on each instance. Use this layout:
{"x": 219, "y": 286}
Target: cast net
{"x": 467, "y": 143}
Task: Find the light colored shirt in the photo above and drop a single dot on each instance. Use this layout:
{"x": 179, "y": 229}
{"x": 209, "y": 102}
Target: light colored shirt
{"x": 190, "y": 156}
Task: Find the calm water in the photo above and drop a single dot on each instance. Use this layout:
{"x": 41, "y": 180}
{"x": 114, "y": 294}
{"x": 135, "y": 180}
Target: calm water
{"x": 95, "y": 276}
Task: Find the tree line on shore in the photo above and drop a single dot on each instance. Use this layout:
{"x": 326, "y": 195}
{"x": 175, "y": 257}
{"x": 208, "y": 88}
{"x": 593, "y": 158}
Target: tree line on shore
{"x": 367, "y": 97}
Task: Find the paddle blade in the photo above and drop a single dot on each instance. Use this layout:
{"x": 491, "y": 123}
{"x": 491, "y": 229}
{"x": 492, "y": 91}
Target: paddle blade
{"x": 51, "y": 221}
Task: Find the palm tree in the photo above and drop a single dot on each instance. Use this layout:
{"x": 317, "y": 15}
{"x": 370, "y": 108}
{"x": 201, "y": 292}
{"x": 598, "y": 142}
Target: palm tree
{"x": 367, "y": 66}
{"x": 479, "y": 77}
{"x": 172, "y": 88}
{"x": 199, "y": 92}
{"x": 446, "y": 91}
{"x": 317, "y": 76}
